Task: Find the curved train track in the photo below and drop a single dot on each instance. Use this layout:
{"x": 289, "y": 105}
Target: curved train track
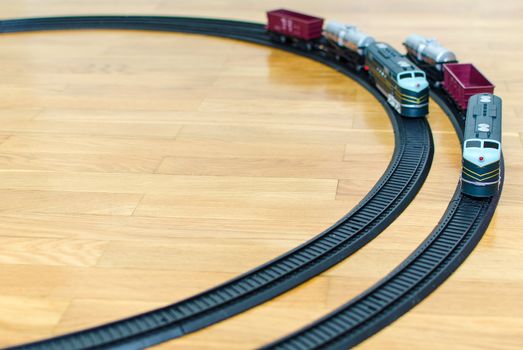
{"x": 389, "y": 197}
{"x": 452, "y": 240}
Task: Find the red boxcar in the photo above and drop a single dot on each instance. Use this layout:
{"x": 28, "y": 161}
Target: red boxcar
{"x": 462, "y": 80}
{"x": 294, "y": 24}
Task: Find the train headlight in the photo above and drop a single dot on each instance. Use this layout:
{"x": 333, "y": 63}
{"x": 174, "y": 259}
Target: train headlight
{"x": 481, "y": 158}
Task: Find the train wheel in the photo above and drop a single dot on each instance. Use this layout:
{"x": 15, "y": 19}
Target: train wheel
{"x": 283, "y": 39}
{"x": 308, "y": 46}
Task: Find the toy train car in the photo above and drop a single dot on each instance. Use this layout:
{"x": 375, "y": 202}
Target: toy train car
{"x": 298, "y": 29}
{"x": 480, "y": 175}
{"x": 429, "y": 55}
{"x": 403, "y": 84}
{"x": 462, "y": 80}
{"x": 346, "y": 43}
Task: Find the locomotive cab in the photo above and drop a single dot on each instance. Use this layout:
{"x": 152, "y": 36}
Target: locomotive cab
{"x": 482, "y": 153}
{"x": 414, "y": 81}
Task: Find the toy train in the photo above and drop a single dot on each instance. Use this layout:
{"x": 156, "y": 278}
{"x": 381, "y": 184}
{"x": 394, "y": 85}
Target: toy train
{"x": 473, "y": 94}
{"x": 405, "y": 81}
{"x": 403, "y": 84}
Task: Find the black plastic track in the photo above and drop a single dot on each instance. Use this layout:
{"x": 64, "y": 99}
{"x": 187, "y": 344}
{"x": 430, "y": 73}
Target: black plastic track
{"x": 393, "y": 192}
{"x": 449, "y": 244}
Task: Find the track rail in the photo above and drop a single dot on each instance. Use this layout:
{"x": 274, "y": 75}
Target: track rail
{"x": 392, "y": 193}
{"x": 448, "y": 245}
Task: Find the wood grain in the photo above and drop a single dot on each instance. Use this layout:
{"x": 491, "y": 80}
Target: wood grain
{"x": 139, "y": 168}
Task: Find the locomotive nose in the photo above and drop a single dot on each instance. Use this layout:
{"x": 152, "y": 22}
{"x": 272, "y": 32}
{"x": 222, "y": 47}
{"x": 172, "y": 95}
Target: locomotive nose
{"x": 415, "y": 86}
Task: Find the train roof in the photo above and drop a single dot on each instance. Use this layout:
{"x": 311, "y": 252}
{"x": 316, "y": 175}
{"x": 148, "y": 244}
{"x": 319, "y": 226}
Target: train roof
{"x": 483, "y": 118}
{"x": 390, "y": 58}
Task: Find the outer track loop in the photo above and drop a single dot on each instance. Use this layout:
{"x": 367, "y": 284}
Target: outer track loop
{"x": 390, "y": 196}
{"x": 452, "y": 240}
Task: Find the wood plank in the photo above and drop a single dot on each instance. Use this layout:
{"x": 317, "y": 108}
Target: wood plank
{"x": 46, "y": 251}
{"x": 167, "y": 131}
{"x": 65, "y": 282}
{"x": 263, "y": 167}
{"x": 152, "y": 229}
{"x": 68, "y": 202}
{"x": 87, "y": 162}
{"x": 254, "y": 208}
{"x": 20, "y": 313}
{"x": 179, "y": 254}
{"x": 72, "y": 144}
{"x": 174, "y": 186}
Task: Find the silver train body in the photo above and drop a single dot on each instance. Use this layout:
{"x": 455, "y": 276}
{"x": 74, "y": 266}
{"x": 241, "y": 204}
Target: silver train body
{"x": 429, "y": 55}
{"x": 346, "y": 43}
{"x": 429, "y": 51}
{"x": 348, "y": 36}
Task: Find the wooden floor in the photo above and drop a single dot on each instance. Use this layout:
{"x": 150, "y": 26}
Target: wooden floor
{"x": 140, "y": 168}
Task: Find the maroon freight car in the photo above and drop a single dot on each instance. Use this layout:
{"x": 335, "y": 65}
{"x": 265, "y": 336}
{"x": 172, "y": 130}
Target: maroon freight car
{"x": 462, "y": 80}
{"x": 294, "y": 25}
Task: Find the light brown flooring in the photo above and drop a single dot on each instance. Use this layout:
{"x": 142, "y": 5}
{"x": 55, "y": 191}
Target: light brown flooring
{"x": 140, "y": 168}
